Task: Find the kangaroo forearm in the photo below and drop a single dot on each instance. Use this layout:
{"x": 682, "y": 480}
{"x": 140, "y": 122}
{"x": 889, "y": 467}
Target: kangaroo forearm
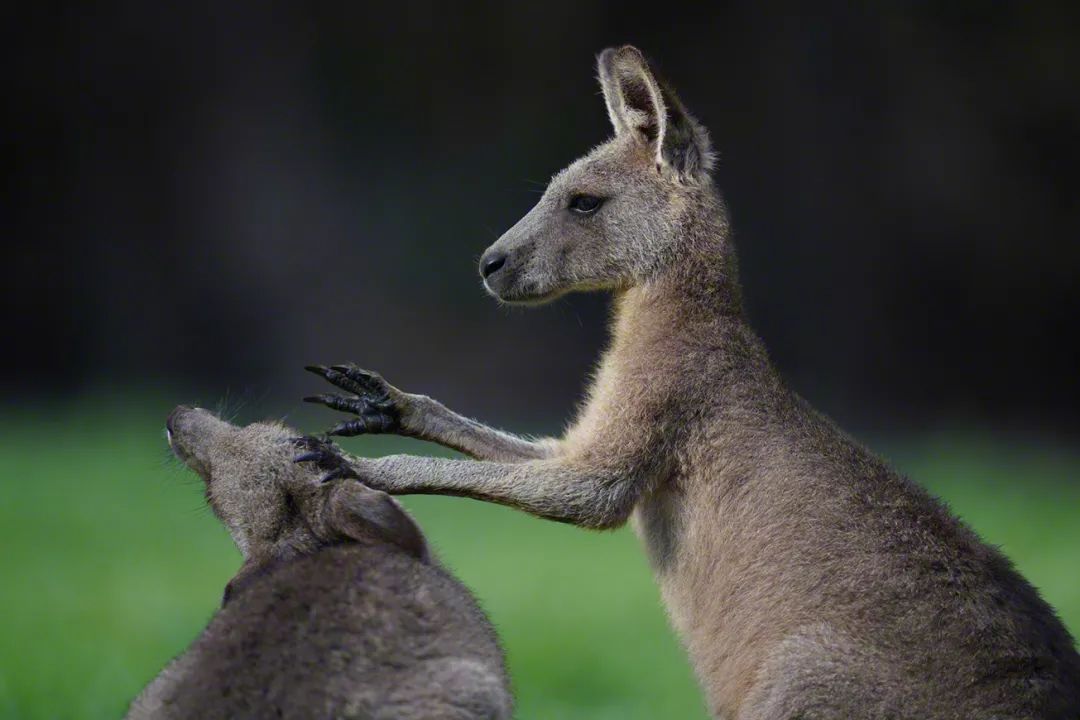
{"x": 551, "y": 489}
{"x": 430, "y": 420}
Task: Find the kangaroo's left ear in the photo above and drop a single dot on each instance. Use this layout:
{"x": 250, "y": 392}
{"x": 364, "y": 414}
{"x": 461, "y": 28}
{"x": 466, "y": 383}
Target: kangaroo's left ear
{"x": 357, "y": 512}
{"x": 640, "y": 104}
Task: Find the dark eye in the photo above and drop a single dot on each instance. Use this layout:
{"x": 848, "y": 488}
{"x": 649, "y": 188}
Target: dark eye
{"x": 585, "y": 204}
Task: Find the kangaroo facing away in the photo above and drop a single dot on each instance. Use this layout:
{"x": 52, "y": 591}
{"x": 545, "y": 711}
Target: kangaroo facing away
{"x": 805, "y": 577}
{"x": 339, "y": 610}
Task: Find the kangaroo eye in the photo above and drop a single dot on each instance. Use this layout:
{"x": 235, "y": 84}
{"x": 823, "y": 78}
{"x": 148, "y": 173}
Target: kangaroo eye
{"x": 585, "y": 204}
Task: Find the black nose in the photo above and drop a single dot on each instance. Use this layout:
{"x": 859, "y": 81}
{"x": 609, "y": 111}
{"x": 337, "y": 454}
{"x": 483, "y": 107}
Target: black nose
{"x": 491, "y": 262}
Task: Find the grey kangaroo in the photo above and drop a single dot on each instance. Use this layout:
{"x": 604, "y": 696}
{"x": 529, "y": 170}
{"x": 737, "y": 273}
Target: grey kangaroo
{"x": 339, "y": 611}
{"x": 805, "y": 577}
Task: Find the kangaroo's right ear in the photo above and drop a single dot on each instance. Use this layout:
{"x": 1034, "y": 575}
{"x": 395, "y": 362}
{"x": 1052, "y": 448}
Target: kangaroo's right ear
{"x": 357, "y": 512}
{"x": 641, "y": 105}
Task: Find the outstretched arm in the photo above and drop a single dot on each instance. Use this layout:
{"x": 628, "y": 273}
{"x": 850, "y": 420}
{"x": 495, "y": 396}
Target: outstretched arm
{"x": 382, "y": 408}
{"x": 562, "y": 489}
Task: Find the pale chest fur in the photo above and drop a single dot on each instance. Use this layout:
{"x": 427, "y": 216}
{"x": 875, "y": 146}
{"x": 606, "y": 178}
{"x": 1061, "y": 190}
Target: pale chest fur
{"x": 649, "y": 404}
{"x": 696, "y": 561}
{"x": 622, "y": 418}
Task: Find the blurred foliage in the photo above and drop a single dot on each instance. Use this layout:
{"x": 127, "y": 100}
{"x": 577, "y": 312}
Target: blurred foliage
{"x": 113, "y": 564}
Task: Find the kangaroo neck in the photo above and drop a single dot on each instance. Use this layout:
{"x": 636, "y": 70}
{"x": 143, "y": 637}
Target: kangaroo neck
{"x": 694, "y": 297}
{"x": 687, "y": 323}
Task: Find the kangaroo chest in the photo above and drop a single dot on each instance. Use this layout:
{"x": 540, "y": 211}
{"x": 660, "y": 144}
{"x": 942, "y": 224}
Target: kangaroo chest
{"x": 697, "y": 570}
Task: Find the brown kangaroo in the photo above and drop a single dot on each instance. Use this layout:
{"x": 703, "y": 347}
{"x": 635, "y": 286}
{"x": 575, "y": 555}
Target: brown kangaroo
{"x": 805, "y": 577}
{"x": 339, "y": 610}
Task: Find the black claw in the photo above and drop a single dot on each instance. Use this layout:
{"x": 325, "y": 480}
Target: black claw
{"x": 337, "y": 474}
{"x": 326, "y": 457}
{"x": 345, "y": 382}
{"x": 349, "y": 428}
{"x": 322, "y": 371}
{"x": 358, "y": 374}
{"x": 338, "y": 402}
{"x": 349, "y": 376}
{"x": 369, "y": 399}
{"x": 351, "y": 370}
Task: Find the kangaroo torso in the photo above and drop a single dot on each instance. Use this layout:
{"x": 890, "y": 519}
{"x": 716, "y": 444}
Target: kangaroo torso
{"x": 781, "y": 546}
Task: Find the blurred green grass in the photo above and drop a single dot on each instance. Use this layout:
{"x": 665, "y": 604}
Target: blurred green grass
{"x": 112, "y": 565}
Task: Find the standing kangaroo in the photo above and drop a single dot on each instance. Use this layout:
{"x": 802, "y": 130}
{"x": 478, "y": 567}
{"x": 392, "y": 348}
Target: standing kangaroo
{"x": 806, "y": 578}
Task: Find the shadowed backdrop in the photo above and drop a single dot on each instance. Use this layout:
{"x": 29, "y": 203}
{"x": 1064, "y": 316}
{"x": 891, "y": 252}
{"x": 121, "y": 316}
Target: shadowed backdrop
{"x": 213, "y": 195}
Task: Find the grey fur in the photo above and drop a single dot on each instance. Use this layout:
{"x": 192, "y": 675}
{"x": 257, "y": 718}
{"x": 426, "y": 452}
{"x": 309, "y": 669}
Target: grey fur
{"x": 338, "y": 610}
{"x": 805, "y": 577}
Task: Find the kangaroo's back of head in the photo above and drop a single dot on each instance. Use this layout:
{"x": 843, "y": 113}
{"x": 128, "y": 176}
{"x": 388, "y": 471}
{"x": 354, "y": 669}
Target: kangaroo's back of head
{"x": 339, "y": 609}
{"x": 275, "y": 508}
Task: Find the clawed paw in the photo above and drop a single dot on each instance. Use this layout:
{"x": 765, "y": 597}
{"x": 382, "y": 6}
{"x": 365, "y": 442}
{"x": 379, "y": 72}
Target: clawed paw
{"x": 371, "y": 399}
{"x": 326, "y": 456}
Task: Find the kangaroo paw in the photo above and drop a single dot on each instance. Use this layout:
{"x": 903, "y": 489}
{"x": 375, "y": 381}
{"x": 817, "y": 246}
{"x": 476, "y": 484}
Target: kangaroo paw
{"x": 371, "y": 399}
{"x": 326, "y": 457}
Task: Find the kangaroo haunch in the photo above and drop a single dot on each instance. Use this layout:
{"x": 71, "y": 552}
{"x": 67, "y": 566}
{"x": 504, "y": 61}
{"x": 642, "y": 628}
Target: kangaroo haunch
{"x": 806, "y": 578}
{"x": 338, "y": 611}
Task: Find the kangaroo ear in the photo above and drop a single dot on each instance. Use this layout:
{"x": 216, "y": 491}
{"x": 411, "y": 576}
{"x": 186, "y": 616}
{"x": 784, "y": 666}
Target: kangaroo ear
{"x": 357, "y": 512}
{"x": 644, "y": 106}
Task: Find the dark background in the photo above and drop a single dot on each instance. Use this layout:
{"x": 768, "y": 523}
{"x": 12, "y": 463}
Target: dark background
{"x": 204, "y": 198}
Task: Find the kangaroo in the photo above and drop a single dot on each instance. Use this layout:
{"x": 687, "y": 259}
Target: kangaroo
{"x": 805, "y": 577}
{"x": 339, "y": 610}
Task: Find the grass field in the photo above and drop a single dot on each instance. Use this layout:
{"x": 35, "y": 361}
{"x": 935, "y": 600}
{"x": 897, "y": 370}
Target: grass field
{"x": 111, "y": 565}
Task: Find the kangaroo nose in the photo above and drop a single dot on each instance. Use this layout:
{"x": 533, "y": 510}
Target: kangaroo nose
{"x": 491, "y": 262}
{"x": 170, "y": 422}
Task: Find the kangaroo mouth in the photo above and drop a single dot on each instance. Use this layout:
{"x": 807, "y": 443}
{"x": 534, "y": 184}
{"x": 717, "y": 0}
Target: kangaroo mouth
{"x": 179, "y": 451}
{"x": 522, "y": 296}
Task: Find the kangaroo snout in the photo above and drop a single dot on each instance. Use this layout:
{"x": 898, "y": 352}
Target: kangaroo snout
{"x": 192, "y": 432}
{"x": 491, "y": 262}
{"x": 171, "y": 421}
{"x": 176, "y": 432}
{"x": 500, "y": 271}
{"x": 178, "y": 429}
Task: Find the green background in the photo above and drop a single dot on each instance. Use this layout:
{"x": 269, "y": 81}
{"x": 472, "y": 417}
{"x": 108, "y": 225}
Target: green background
{"x": 112, "y": 564}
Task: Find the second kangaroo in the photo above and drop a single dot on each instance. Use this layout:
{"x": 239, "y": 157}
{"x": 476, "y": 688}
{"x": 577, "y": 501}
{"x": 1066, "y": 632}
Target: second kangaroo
{"x": 806, "y": 578}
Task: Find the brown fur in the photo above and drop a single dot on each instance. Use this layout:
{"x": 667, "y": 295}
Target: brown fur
{"x": 338, "y": 611}
{"x": 806, "y": 578}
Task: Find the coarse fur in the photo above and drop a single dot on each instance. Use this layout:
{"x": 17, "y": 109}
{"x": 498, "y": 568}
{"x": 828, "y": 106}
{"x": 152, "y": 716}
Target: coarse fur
{"x": 338, "y": 611}
{"x": 805, "y": 577}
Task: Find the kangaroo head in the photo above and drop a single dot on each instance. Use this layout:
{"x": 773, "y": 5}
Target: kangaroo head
{"x": 273, "y": 507}
{"x": 613, "y": 218}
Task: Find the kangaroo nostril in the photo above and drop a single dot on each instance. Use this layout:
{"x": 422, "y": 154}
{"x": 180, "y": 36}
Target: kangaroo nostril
{"x": 490, "y": 264}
